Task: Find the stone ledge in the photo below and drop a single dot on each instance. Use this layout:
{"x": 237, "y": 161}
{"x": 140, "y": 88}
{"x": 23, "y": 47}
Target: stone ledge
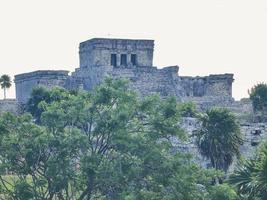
{"x": 113, "y": 41}
{"x": 41, "y": 74}
{"x": 210, "y": 77}
{"x": 8, "y": 100}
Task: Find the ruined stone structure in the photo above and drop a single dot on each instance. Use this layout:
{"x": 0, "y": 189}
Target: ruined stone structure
{"x": 253, "y": 135}
{"x": 48, "y": 78}
{"x": 131, "y": 59}
{"x": 9, "y": 105}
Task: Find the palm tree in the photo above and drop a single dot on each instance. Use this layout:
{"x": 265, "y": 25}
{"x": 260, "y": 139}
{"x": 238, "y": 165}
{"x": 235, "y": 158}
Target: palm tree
{"x": 5, "y": 82}
{"x": 219, "y": 138}
{"x": 250, "y": 177}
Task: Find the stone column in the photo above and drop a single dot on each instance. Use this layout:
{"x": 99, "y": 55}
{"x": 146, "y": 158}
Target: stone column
{"x": 118, "y": 59}
{"x": 129, "y": 60}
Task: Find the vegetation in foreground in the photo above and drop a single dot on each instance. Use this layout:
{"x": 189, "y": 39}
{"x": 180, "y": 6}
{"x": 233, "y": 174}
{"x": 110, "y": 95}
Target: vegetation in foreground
{"x": 108, "y": 144}
{"x": 258, "y": 96}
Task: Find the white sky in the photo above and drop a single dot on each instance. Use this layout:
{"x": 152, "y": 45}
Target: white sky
{"x": 201, "y": 36}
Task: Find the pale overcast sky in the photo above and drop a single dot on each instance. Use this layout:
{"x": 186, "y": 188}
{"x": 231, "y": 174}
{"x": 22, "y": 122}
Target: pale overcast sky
{"x": 201, "y": 36}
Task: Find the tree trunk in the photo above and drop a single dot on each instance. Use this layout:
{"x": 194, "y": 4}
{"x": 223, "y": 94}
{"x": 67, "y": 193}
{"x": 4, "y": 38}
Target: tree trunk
{"x": 4, "y": 93}
{"x": 89, "y": 190}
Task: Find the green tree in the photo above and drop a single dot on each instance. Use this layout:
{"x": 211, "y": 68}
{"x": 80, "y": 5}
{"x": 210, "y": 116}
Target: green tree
{"x": 188, "y": 109}
{"x": 5, "y": 82}
{"x": 250, "y": 176}
{"x": 222, "y": 192}
{"x": 41, "y": 96}
{"x": 258, "y": 96}
{"x": 41, "y": 163}
{"x": 219, "y": 138}
{"x": 106, "y": 144}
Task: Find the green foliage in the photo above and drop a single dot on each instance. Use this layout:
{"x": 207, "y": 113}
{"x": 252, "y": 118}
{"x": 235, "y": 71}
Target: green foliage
{"x": 22, "y": 190}
{"x": 40, "y": 97}
{"x": 250, "y": 176}
{"x": 188, "y": 109}
{"x": 258, "y": 96}
{"x": 219, "y": 138}
{"x": 223, "y": 192}
{"x": 5, "y": 82}
{"x": 106, "y": 144}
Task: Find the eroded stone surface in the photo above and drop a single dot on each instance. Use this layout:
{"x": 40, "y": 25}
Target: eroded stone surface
{"x": 131, "y": 59}
{"x": 253, "y": 135}
{"x": 47, "y": 78}
{"x": 9, "y": 105}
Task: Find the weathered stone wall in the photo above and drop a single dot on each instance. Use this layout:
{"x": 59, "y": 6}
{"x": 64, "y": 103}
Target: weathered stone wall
{"x": 150, "y": 80}
{"x": 144, "y": 80}
{"x": 253, "y": 134}
{"x": 97, "y": 52}
{"x": 48, "y": 78}
{"x": 205, "y": 91}
{"x": 212, "y": 85}
{"x": 9, "y": 105}
{"x": 88, "y": 78}
{"x": 219, "y": 85}
{"x": 96, "y": 64}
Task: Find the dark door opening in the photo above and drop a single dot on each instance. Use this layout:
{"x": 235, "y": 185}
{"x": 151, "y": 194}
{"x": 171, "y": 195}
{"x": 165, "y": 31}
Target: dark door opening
{"x": 123, "y": 59}
{"x": 133, "y": 59}
{"x": 113, "y": 60}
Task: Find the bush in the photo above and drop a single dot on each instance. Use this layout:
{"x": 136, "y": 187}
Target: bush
{"x": 188, "y": 109}
{"x": 258, "y": 96}
{"x": 223, "y": 192}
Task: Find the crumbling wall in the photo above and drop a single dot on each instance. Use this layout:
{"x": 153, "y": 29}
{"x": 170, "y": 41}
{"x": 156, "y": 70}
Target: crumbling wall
{"x": 132, "y": 59}
{"x": 9, "y": 105}
{"x": 219, "y": 85}
{"x": 144, "y": 80}
{"x": 150, "y": 80}
{"x": 209, "y": 91}
{"x": 48, "y": 78}
{"x": 206, "y": 92}
{"x": 253, "y": 135}
{"x": 212, "y": 85}
{"x": 87, "y": 78}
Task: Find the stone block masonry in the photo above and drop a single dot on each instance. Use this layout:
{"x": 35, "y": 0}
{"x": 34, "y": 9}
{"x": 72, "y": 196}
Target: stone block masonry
{"x": 9, "y": 105}
{"x": 116, "y": 52}
{"x": 47, "y": 78}
{"x": 131, "y": 59}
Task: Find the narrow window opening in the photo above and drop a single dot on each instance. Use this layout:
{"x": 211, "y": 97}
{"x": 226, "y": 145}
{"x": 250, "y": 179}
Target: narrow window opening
{"x": 113, "y": 60}
{"x": 123, "y": 59}
{"x": 133, "y": 59}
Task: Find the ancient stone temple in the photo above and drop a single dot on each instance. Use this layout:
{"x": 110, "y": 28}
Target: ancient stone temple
{"x": 131, "y": 59}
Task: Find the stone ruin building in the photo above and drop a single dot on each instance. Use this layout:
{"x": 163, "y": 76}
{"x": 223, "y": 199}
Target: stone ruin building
{"x": 133, "y": 59}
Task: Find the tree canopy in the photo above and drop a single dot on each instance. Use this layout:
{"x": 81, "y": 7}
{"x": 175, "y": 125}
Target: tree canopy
{"x": 5, "y": 82}
{"x": 219, "y": 138}
{"x": 258, "y": 96}
{"x": 106, "y": 144}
